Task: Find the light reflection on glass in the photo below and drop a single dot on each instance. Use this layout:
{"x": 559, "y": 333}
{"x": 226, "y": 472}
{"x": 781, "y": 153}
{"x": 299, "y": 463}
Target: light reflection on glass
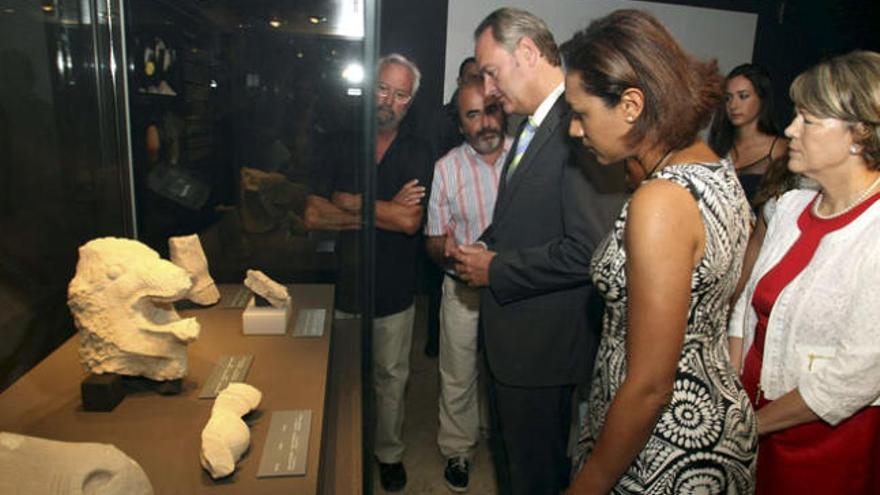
{"x": 351, "y": 19}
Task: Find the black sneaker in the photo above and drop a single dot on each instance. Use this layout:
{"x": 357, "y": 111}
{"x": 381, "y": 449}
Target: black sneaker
{"x": 392, "y": 476}
{"x": 457, "y": 474}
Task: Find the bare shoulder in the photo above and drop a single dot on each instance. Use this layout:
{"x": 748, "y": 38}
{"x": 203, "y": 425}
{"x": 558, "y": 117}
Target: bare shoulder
{"x": 663, "y": 209}
{"x": 662, "y": 196}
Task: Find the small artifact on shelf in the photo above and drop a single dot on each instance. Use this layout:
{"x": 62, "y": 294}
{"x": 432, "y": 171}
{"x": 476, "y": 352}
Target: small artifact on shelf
{"x": 121, "y": 301}
{"x": 187, "y": 253}
{"x": 226, "y": 436}
{"x": 37, "y": 466}
{"x": 267, "y": 288}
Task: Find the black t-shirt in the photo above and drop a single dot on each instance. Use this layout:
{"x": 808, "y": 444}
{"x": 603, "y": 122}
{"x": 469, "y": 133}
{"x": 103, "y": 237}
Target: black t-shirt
{"x": 408, "y": 157}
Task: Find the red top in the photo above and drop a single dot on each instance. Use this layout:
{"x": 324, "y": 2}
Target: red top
{"x": 813, "y": 457}
{"x": 813, "y": 229}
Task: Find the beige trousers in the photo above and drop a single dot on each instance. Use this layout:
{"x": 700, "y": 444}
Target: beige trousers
{"x": 460, "y": 397}
{"x": 392, "y": 341}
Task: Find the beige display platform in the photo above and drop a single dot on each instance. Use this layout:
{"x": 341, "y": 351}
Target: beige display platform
{"x": 162, "y": 433}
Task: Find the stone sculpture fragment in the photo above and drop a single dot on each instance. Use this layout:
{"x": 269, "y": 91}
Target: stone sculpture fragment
{"x": 37, "y": 466}
{"x": 264, "y": 286}
{"x": 121, "y": 301}
{"x": 187, "y": 253}
{"x": 226, "y": 436}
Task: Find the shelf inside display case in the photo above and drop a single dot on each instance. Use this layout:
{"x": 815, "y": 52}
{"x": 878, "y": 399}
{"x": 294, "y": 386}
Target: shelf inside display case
{"x": 162, "y": 433}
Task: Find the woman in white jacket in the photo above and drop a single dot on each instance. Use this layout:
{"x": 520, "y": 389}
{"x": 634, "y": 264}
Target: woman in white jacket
{"x": 809, "y": 316}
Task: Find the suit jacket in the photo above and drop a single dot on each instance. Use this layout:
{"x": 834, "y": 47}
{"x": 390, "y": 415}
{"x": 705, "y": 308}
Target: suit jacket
{"x": 541, "y": 318}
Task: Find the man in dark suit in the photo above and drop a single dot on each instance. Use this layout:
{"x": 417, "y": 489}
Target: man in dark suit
{"x": 534, "y": 261}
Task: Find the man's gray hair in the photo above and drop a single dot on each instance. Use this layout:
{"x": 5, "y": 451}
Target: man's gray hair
{"x": 510, "y": 25}
{"x": 396, "y": 58}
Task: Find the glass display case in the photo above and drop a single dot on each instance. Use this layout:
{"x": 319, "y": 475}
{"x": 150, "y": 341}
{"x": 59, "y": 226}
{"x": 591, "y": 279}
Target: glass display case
{"x": 231, "y": 108}
{"x": 64, "y": 169}
{"x": 156, "y": 118}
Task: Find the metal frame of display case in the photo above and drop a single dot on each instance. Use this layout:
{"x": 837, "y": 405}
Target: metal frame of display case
{"x": 368, "y": 269}
{"x": 110, "y": 62}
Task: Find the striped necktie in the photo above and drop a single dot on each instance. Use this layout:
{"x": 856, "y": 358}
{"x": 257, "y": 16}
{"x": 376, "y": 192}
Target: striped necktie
{"x": 522, "y": 144}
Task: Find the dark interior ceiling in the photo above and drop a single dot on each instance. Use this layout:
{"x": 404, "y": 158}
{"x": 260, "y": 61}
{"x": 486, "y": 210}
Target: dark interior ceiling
{"x": 302, "y": 17}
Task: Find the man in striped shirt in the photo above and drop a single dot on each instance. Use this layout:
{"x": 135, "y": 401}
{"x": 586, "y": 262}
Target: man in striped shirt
{"x": 460, "y": 208}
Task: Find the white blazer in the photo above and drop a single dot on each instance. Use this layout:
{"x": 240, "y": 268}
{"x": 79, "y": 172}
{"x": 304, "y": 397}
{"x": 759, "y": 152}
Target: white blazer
{"x": 823, "y": 335}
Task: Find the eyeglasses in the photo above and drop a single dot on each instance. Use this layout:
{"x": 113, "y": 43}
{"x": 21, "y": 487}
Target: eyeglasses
{"x": 385, "y": 91}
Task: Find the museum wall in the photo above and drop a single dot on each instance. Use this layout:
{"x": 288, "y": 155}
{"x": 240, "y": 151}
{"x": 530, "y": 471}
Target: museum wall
{"x": 420, "y": 34}
{"x": 792, "y": 36}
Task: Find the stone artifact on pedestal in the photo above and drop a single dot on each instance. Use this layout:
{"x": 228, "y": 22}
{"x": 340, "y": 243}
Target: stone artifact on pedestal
{"x": 267, "y": 288}
{"x": 36, "y": 466}
{"x": 187, "y": 253}
{"x": 226, "y": 436}
{"x": 121, "y": 300}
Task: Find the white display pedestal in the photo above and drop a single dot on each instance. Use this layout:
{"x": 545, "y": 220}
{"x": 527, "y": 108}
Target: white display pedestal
{"x": 265, "y": 320}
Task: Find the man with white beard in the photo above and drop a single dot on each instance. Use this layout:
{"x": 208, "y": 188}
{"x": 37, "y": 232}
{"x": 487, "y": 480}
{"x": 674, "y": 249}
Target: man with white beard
{"x": 403, "y": 163}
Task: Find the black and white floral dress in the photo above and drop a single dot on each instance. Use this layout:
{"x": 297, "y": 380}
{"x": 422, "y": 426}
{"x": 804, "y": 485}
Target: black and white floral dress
{"x": 705, "y": 440}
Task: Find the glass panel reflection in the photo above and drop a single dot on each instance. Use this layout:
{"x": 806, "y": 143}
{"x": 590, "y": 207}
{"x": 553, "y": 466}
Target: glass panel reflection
{"x": 232, "y": 106}
{"x": 61, "y": 183}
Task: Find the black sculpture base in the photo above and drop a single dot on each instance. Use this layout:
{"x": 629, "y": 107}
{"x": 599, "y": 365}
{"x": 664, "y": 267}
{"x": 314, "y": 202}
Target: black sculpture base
{"x": 102, "y": 393}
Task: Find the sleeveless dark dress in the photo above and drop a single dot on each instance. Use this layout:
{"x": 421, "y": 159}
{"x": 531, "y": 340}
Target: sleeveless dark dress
{"x": 751, "y": 180}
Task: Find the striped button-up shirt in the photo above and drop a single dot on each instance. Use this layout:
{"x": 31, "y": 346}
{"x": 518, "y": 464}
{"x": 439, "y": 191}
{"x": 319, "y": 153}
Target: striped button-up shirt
{"x": 463, "y": 193}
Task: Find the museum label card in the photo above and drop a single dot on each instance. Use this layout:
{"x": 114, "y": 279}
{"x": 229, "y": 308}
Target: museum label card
{"x": 310, "y": 322}
{"x": 287, "y": 444}
{"x": 229, "y": 368}
{"x": 237, "y": 298}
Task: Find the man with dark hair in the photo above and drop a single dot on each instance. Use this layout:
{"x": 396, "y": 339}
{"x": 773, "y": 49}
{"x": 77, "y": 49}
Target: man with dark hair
{"x": 404, "y": 168}
{"x": 534, "y": 260}
{"x": 462, "y": 200}
{"x": 468, "y": 70}
{"x": 446, "y": 135}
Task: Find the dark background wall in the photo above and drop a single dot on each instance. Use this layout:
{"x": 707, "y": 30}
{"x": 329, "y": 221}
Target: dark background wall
{"x": 417, "y": 29}
{"x": 791, "y": 36}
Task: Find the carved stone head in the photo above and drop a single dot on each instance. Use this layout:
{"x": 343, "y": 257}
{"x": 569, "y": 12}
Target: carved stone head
{"x": 121, "y": 300}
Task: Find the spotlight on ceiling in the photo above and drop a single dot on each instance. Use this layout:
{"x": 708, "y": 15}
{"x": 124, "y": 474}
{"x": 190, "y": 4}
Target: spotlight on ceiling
{"x": 275, "y": 22}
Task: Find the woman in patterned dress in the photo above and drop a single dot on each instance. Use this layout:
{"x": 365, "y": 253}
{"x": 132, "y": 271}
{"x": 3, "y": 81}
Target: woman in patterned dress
{"x": 808, "y": 315}
{"x": 666, "y": 412}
